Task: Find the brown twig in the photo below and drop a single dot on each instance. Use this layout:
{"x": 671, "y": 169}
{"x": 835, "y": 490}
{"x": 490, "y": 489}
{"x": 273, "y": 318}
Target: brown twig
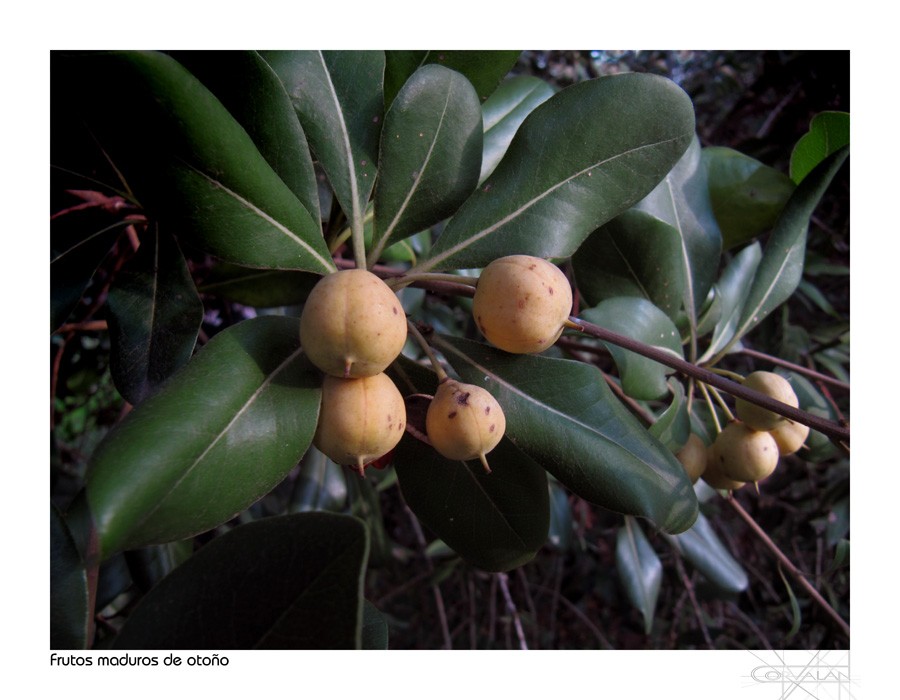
{"x": 789, "y": 566}
{"x": 829, "y": 428}
{"x": 438, "y": 598}
{"x": 799, "y": 369}
{"x": 689, "y": 587}
{"x": 503, "y": 580}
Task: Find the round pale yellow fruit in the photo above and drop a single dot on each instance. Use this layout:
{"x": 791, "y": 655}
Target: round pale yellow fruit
{"x": 772, "y": 385}
{"x": 744, "y": 454}
{"x": 790, "y": 436}
{"x": 713, "y": 476}
{"x": 521, "y": 303}
{"x": 360, "y": 419}
{"x": 352, "y": 324}
{"x": 693, "y": 457}
{"x": 464, "y": 421}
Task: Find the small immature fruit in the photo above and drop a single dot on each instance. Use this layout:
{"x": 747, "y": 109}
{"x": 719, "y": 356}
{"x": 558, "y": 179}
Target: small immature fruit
{"x": 352, "y": 324}
{"x": 360, "y": 419}
{"x": 744, "y": 454}
{"x": 789, "y": 437}
{"x": 693, "y": 457}
{"x": 521, "y": 303}
{"x": 772, "y": 385}
{"x": 464, "y": 421}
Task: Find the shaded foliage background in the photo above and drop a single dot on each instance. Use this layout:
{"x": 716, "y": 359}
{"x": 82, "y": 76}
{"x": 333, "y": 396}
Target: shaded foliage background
{"x": 759, "y": 103}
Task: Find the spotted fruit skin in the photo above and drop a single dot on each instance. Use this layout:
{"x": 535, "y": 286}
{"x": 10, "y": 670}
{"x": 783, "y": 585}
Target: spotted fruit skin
{"x": 789, "y": 436}
{"x": 360, "y": 419}
{"x": 521, "y": 303}
{"x": 772, "y": 385}
{"x": 744, "y": 454}
{"x": 352, "y": 325}
{"x": 693, "y": 457}
{"x": 464, "y": 421}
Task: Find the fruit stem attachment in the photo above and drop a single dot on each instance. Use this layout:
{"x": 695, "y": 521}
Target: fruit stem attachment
{"x": 712, "y": 409}
{"x": 739, "y": 378}
{"x": 397, "y": 283}
{"x": 719, "y": 400}
{"x": 426, "y": 348}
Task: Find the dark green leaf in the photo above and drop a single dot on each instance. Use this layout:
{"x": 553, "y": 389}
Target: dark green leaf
{"x": 563, "y": 415}
{"x": 374, "y": 628}
{"x": 565, "y": 175}
{"x": 781, "y": 266}
{"x": 828, "y": 132}
{"x": 155, "y": 314}
{"x": 732, "y": 288}
{"x": 503, "y": 114}
{"x": 484, "y": 69}
{"x": 682, "y": 201}
{"x": 747, "y": 195}
{"x": 398, "y": 66}
{"x": 219, "y": 435}
{"x": 288, "y": 582}
{"x": 673, "y": 426}
{"x": 69, "y": 604}
{"x": 642, "y": 378}
{"x": 640, "y": 570}
{"x": 259, "y": 288}
{"x": 190, "y": 162}
{"x": 338, "y": 96}
{"x": 78, "y": 243}
{"x": 841, "y": 555}
{"x": 796, "y": 615}
{"x": 495, "y": 521}
{"x": 254, "y": 95}
{"x": 430, "y": 154}
{"x": 702, "y": 548}
{"x": 634, "y": 255}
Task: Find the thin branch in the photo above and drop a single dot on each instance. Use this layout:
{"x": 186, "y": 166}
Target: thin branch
{"x": 604, "y": 642}
{"x": 503, "y": 580}
{"x": 689, "y": 587}
{"x": 438, "y": 598}
{"x": 799, "y": 369}
{"x": 789, "y": 566}
{"x": 829, "y": 428}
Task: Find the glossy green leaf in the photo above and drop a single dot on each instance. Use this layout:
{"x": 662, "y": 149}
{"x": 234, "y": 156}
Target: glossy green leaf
{"x": 254, "y": 95}
{"x": 287, "y": 582}
{"x": 634, "y": 255}
{"x": 642, "y": 378}
{"x": 484, "y": 69}
{"x": 70, "y": 619}
{"x": 259, "y": 288}
{"x": 430, "y": 154}
{"x": 565, "y": 175}
{"x": 682, "y": 201}
{"x": 733, "y": 287}
{"x": 563, "y": 415}
{"x": 639, "y": 568}
{"x": 191, "y": 163}
{"x": 704, "y": 550}
{"x": 781, "y": 266}
{"x": 495, "y": 521}
{"x": 503, "y": 113}
{"x": 154, "y": 316}
{"x": 828, "y": 132}
{"x": 338, "y": 96}
{"x": 747, "y": 195}
{"x": 374, "y": 628}
{"x": 673, "y": 427}
{"x": 218, "y": 436}
{"x": 78, "y": 243}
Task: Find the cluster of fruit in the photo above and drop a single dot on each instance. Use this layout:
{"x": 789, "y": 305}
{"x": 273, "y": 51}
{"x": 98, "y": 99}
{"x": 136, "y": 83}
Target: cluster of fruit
{"x": 747, "y": 450}
{"x": 353, "y": 327}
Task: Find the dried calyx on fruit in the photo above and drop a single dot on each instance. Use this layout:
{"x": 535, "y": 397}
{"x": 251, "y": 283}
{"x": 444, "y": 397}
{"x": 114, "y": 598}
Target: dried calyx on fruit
{"x": 772, "y": 385}
{"x": 522, "y": 303}
{"x": 464, "y": 421}
{"x": 360, "y": 419}
{"x": 352, "y": 325}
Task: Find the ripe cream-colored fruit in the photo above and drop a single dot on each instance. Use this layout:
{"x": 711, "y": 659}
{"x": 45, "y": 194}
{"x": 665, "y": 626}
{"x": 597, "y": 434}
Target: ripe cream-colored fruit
{"x": 789, "y": 437}
{"x": 521, "y": 303}
{"x": 772, "y": 385}
{"x": 744, "y": 454}
{"x": 693, "y": 457}
{"x": 352, "y": 324}
{"x": 464, "y": 421}
{"x": 713, "y": 476}
{"x": 360, "y": 419}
